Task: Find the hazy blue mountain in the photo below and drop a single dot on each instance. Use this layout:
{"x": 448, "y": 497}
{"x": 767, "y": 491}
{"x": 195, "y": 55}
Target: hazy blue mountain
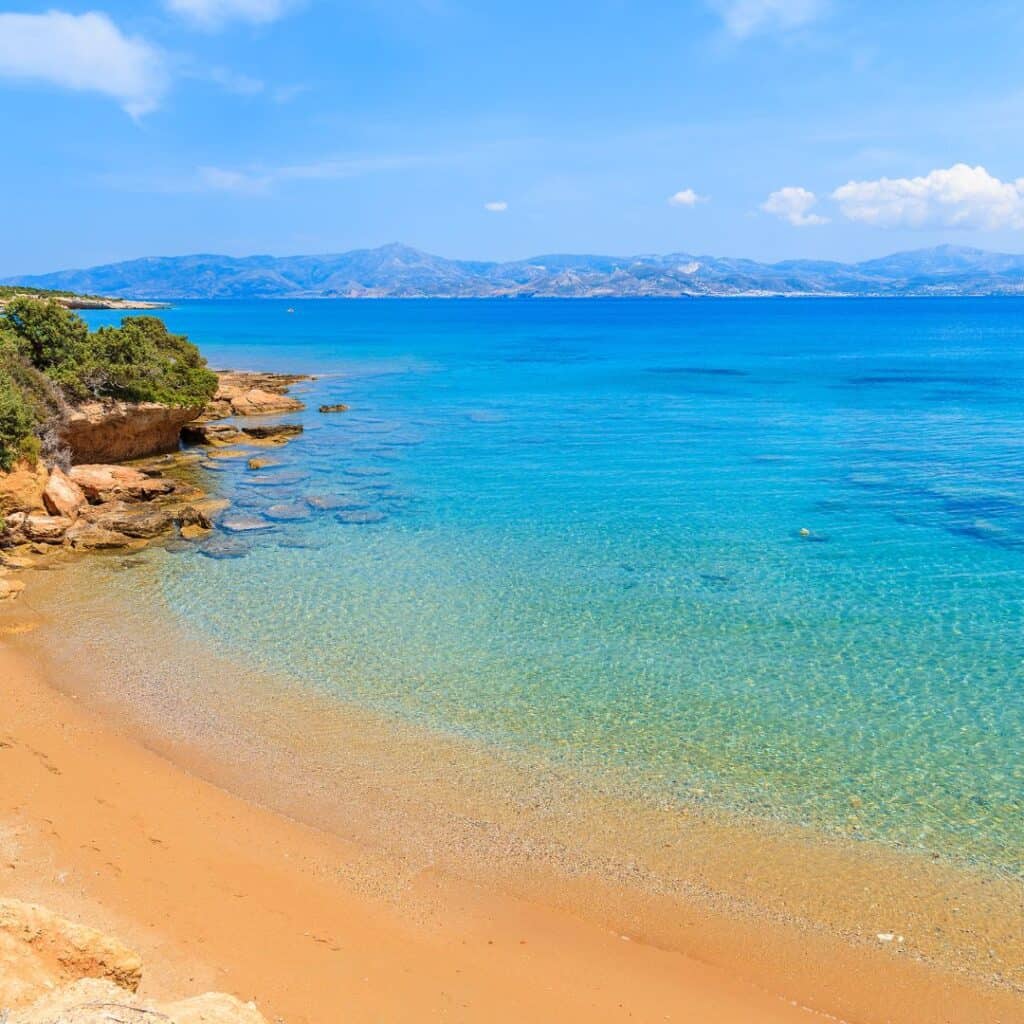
{"x": 399, "y": 271}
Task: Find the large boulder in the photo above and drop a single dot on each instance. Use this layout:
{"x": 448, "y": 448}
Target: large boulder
{"x": 109, "y": 483}
{"x": 119, "y": 431}
{"x": 62, "y": 496}
{"x": 45, "y": 529}
{"x": 132, "y": 520}
{"x": 39, "y": 950}
{"x": 21, "y": 490}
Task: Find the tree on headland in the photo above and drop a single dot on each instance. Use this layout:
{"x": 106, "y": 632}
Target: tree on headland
{"x": 49, "y": 357}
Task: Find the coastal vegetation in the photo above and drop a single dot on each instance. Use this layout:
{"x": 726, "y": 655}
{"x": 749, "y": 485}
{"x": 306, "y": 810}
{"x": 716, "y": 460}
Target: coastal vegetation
{"x": 49, "y": 360}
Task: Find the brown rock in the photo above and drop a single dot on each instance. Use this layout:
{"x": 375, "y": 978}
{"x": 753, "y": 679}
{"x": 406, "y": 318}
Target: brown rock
{"x": 118, "y": 431}
{"x": 39, "y": 950}
{"x": 107, "y": 483}
{"x": 192, "y": 516}
{"x": 21, "y": 490}
{"x": 257, "y": 402}
{"x": 62, "y": 496}
{"x": 133, "y": 521}
{"x": 95, "y": 1001}
{"x": 259, "y": 463}
{"x": 273, "y": 430}
{"x": 85, "y": 536}
{"x": 45, "y": 529}
{"x": 210, "y": 433}
{"x": 339, "y": 407}
{"x": 10, "y": 590}
{"x": 253, "y": 394}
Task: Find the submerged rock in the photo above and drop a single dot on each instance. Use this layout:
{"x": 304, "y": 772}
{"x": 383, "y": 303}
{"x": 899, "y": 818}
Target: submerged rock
{"x": 273, "y": 430}
{"x": 361, "y": 516}
{"x": 333, "y": 502}
{"x": 337, "y": 407}
{"x": 287, "y": 512}
{"x": 238, "y": 523}
{"x": 219, "y": 546}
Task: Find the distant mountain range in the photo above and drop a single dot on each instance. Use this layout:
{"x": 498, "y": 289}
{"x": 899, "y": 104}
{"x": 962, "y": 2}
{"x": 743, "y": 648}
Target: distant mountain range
{"x": 398, "y": 271}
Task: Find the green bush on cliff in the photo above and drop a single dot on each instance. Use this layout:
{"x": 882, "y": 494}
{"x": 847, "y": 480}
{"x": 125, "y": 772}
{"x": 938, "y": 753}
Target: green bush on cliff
{"x": 49, "y": 356}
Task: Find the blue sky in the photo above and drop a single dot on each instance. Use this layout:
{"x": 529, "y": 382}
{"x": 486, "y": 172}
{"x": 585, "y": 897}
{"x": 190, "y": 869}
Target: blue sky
{"x": 762, "y": 128}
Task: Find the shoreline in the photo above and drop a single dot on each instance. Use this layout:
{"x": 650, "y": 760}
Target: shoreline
{"x": 403, "y": 820}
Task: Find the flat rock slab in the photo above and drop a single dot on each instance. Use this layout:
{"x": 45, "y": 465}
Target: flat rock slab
{"x": 287, "y": 512}
{"x": 334, "y": 502}
{"x": 224, "y": 547}
{"x": 244, "y": 524}
{"x": 359, "y": 517}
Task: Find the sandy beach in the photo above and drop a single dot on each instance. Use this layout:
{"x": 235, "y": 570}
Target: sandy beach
{"x": 218, "y": 892}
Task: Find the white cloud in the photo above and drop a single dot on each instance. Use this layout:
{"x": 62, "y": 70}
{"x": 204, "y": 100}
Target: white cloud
{"x": 86, "y": 52}
{"x": 686, "y": 197}
{"x": 498, "y": 206}
{"x": 794, "y": 205}
{"x": 957, "y": 197}
{"x": 213, "y": 14}
{"x": 747, "y": 17}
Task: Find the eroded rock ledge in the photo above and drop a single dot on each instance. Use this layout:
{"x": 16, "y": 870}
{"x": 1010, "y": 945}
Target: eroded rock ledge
{"x": 54, "y": 971}
{"x": 49, "y": 513}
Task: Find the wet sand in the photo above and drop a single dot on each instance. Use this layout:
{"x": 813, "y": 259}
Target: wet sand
{"x": 442, "y": 883}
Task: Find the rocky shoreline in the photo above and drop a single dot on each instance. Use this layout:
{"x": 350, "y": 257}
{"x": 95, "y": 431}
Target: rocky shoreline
{"x": 54, "y": 971}
{"x": 146, "y": 488}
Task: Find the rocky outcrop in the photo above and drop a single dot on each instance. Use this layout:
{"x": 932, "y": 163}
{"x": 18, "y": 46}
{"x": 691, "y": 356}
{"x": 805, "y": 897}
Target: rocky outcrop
{"x": 53, "y": 971}
{"x": 253, "y": 394}
{"x": 62, "y": 496}
{"x": 121, "y": 431}
{"x": 21, "y": 490}
{"x": 38, "y": 950}
{"x": 112, "y": 483}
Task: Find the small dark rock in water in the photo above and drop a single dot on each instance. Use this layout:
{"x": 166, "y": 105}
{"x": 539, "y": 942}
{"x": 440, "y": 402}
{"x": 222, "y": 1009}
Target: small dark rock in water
{"x": 220, "y": 546}
{"x": 266, "y": 430}
{"x": 333, "y": 502}
{"x": 287, "y": 512}
{"x": 361, "y": 516}
{"x": 339, "y": 407}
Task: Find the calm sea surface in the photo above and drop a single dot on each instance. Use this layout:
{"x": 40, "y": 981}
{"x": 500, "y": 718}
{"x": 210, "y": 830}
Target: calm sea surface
{"x": 763, "y": 553}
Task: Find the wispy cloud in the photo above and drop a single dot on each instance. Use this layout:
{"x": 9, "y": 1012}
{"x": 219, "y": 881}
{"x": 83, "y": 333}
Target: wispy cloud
{"x": 85, "y": 52}
{"x": 955, "y": 197}
{"x": 745, "y": 18}
{"x": 686, "y": 197}
{"x": 215, "y": 14}
{"x": 794, "y": 205}
{"x": 497, "y": 206}
{"x": 257, "y": 179}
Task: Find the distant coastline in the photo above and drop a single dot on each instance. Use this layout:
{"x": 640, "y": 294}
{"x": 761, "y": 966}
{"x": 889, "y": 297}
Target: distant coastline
{"x": 400, "y": 272}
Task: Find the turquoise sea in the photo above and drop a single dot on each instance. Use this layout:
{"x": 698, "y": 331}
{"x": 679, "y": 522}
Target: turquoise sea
{"x": 767, "y": 554}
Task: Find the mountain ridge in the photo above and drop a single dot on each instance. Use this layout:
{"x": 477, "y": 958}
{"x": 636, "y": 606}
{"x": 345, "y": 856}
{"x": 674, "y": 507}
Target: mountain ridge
{"x": 400, "y": 271}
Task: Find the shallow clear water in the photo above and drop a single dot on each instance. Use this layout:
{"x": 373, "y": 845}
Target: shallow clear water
{"x": 768, "y": 554}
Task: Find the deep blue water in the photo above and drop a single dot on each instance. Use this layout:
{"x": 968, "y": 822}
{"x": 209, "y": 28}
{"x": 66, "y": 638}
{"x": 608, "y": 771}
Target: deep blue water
{"x": 768, "y": 553}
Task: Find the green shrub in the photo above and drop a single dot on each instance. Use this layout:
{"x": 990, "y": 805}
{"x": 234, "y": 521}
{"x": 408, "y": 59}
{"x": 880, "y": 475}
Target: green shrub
{"x": 48, "y": 356}
{"x": 17, "y": 423}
